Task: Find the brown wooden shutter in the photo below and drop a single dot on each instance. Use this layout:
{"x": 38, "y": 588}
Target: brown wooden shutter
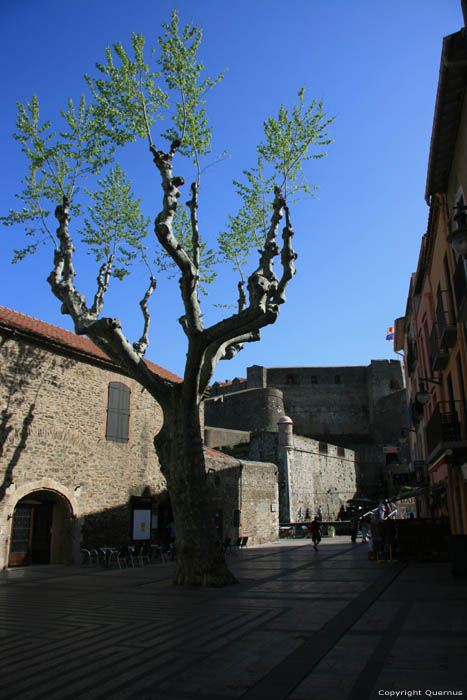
{"x": 118, "y": 412}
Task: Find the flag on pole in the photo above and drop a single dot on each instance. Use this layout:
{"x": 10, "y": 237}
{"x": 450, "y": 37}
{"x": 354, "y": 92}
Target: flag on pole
{"x": 390, "y": 333}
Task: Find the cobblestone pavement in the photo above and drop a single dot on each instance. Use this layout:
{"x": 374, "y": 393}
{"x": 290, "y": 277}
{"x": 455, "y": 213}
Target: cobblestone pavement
{"x": 301, "y": 625}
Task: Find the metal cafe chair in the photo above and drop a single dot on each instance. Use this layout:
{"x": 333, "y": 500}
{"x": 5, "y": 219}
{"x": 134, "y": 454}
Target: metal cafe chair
{"x": 138, "y": 555}
{"x": 105, "y": 553}
{"x": 120, "y": 556}
{"x": 144, "y": 554}
{"x": 132, "y": 555}
{"x": 87, "y": 557}
{"x": 157, "y": 551}
{"x": 90, "y": 556}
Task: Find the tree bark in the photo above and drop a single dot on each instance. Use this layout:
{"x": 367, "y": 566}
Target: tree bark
{"x": 200, "y": 559}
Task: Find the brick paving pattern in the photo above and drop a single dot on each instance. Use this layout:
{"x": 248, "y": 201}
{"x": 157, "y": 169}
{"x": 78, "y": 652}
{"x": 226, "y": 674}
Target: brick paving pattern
{"x": 300, "y": 625}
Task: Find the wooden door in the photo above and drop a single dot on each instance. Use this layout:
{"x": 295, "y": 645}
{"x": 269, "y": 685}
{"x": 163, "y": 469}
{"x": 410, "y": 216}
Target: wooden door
{"x": 21, "y": 535}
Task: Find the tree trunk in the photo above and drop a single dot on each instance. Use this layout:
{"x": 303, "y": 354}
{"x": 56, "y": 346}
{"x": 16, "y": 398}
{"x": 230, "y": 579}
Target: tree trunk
{"x": 179, "y": 446}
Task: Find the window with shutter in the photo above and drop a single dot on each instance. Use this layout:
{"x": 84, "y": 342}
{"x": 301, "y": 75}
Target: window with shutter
{"x": 118, "y": 412}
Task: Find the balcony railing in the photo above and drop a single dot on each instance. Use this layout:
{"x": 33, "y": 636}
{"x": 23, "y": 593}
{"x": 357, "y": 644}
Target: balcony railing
{"x": 421, "y": 473}
{"x": 447, "y": 424}
{"x": 439, "y": 356}
{"x": 447, "y": 329}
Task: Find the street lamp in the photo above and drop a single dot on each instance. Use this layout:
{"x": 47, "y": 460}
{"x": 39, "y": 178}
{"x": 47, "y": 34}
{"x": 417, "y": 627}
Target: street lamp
{"x": 423, "y": 396}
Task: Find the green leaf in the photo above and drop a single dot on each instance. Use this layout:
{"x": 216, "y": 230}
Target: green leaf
{"x": 182, "y": 73}
{"x": 127, "y": 97}
{"x": 290, "y": 142}
{"x": 115, "y": 225}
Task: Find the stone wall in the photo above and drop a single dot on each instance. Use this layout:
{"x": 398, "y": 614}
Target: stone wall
{"x": 321, "y": 474}
{"x": 224, "y": 437}
{"x": 53, "y": 438}
{"x": 309, "y": 473}
{"x": 253, "y": 409}
{"x": 251, "y": 489}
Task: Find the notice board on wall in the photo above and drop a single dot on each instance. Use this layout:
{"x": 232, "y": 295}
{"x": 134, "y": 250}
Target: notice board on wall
{"x": 141, "y": 524}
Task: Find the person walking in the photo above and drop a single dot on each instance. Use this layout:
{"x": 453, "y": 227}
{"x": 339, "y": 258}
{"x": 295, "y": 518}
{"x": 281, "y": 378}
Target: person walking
{"x": 320, "y": 513}
{"x": 364, "y": 525}
{"x": 316, "y": 532}
{"x": 354, "y": 526}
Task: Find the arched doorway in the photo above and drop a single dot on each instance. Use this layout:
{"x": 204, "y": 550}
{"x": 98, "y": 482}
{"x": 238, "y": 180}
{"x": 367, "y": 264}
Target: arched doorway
{"x": 41, "y": 530}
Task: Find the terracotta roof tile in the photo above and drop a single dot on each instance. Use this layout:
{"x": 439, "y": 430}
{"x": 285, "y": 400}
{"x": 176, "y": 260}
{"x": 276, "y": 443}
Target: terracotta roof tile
{"x": 216, "y": 453}
{"x": 54, "y": 334}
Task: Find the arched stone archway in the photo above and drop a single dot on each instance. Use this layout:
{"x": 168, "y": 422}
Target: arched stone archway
{"x": 42, "y": 527}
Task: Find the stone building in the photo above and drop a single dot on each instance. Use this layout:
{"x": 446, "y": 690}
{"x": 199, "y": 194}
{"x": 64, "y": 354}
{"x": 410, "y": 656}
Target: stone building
{"x": 311, "y": 473}
{"x": 77, "y": 461}
{"x": 358, "y": 408}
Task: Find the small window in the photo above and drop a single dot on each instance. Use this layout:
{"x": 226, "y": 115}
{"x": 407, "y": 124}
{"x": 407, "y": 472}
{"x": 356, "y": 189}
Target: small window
{"x": 341, "y": 451}
{"x": 118, "y": 412}
{"x": 323, "y": 447}
{"x": 314, "y": 379}
{"x": 337, "y": 379}
{"x": 291, "y": 379}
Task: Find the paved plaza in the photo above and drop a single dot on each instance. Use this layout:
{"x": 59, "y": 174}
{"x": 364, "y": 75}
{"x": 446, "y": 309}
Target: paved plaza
{"x": 300, "y": 625}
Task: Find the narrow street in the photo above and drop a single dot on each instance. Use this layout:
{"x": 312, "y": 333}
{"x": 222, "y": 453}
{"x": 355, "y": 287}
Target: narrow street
{"x": 301, "y": 625}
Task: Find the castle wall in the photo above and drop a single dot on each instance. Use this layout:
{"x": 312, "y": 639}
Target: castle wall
{"x": 224, "y": 437}
{"x": 384, "y": 378}
{"x": 360, "y": 408}
{"x": 310, "y": 474}
{"x": 252, "y": 409}
{"x": 322, "y": 474}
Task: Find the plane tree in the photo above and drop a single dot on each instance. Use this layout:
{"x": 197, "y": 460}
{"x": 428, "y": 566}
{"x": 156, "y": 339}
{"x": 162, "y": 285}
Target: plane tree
{"x": 73, "y": 176}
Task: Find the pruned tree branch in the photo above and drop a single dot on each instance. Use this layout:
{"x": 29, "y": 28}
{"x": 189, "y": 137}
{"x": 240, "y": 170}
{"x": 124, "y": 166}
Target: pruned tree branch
{"x": 288, "y": 257}
{"x": 142, "y": 344}
{"x": 262, "y": 286}
{"x": 224, "y": 351}
{"x": 103, "y": 280}
{"x": 226, "y": 338}
{"x": 61, "y": 279}
{"x": 106, "y": 333}
{"x": 165, "y": 235}
{"x": 241, "y": 296}
{"x": 192, "y": 204}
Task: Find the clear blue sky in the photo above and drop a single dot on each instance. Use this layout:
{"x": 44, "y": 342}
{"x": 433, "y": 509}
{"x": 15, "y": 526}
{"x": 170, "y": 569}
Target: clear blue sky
{"x": 375, "y": 65}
